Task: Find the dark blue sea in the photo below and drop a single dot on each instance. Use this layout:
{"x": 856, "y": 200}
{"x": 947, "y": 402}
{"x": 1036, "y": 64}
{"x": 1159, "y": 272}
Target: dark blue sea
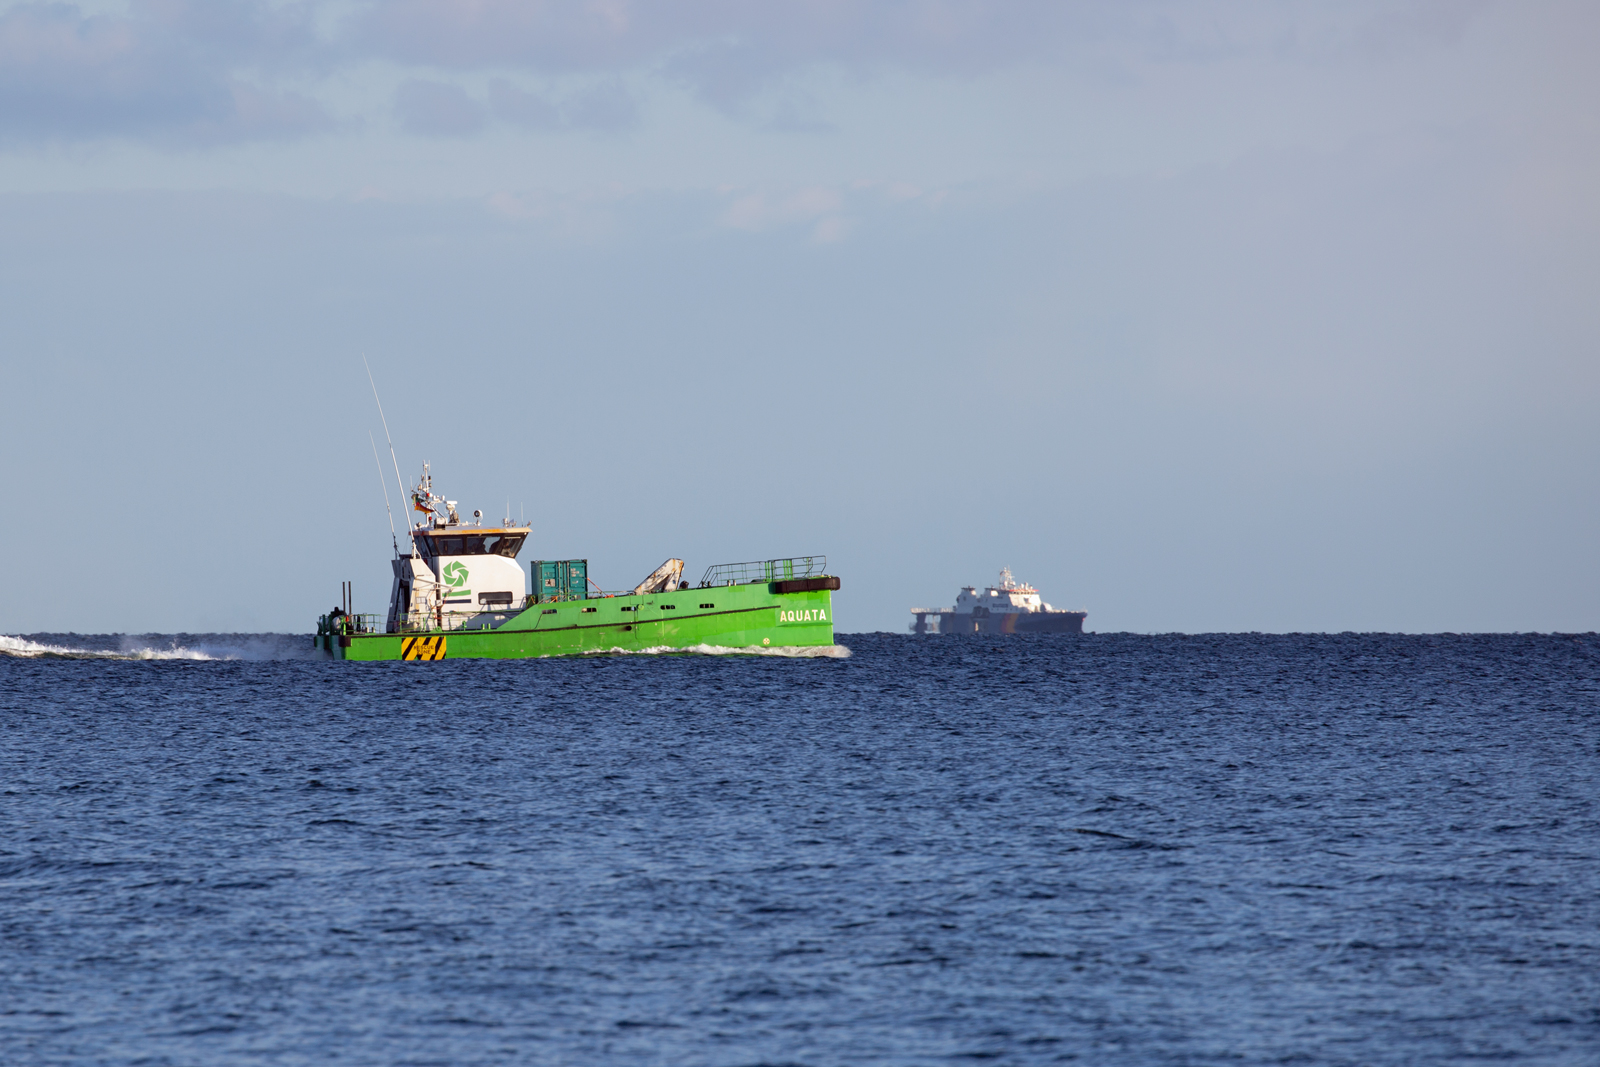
{"x": 1107, "y": 849}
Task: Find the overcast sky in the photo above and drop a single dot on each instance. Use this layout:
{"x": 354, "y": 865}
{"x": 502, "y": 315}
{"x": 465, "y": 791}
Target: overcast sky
{"x": 1199, "y": 316}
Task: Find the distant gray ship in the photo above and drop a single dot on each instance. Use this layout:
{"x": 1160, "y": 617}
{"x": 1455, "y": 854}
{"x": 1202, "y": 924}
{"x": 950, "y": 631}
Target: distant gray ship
{"x": 1011, "y": 607}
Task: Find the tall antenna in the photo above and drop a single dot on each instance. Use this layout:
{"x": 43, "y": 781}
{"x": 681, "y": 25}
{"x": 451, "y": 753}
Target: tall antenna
{"x": 397, "y": 479}
{"x": 385, "y": 487}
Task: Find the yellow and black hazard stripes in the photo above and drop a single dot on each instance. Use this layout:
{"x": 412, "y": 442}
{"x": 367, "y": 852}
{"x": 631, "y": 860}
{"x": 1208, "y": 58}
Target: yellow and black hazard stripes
{"x": 422, "y": 647}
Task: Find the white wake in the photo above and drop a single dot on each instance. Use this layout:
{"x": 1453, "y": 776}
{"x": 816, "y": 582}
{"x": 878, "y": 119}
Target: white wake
{"x": 22, "y": 647}
{"x": 784, "y": 651}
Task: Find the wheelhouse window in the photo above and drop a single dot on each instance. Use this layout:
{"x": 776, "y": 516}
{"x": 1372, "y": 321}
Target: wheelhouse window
{"x": 508, "y": 545}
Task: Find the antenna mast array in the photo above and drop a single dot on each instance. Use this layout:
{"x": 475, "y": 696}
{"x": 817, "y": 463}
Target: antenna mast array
{"x": 397, "y": 479}
{"x": 385, "y": 487}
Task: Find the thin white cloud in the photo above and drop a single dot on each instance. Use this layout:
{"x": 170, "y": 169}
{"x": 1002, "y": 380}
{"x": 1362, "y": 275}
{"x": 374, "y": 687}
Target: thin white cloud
{"x": 759, "y": 211}
{"x": 823, "y": 212}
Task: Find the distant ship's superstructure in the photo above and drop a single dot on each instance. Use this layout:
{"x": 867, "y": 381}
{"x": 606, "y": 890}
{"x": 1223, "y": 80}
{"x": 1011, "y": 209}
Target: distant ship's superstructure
{"x": 1011, "y": 607}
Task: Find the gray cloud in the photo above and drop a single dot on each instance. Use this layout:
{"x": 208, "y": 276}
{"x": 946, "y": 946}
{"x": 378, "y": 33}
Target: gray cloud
{"x": 438, "y": 109}
{"x": 728, "y": 50}
{"x": 586, "y": 35}
{"x": 532, "y": 111}
{"x": 605, "y": 106}
{"x": 442, "y": 109}
{"x": 608, "y": 106}
{"x": 201, "y": 71}
{"x": 168, "y": 70}
{"x": 725, "y": 50}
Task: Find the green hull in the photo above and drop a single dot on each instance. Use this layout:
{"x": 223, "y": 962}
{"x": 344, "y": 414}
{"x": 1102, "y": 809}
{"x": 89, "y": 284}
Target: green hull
{"x": 752, "y": 616}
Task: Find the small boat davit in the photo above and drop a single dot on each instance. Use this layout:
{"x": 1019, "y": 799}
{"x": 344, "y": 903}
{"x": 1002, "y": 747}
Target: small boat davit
{"x": 461, "y": 593}
{"x": 1012, "y": 607}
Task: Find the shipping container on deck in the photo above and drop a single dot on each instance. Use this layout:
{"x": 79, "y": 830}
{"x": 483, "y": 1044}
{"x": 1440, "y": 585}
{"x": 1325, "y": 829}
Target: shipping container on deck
{"x": 560, "y": 579}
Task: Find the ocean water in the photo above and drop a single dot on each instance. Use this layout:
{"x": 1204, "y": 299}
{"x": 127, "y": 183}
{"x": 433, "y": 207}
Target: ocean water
{"x": 1107, "y": 849}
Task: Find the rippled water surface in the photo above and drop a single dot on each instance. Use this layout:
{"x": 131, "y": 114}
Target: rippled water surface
{"x": 1108, "y": 849}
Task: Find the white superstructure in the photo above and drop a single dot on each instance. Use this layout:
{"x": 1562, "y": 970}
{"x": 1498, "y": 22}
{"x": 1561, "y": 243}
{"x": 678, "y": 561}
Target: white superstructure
{"x": 458, "y": 574}
{"x": 1009, "y": 597}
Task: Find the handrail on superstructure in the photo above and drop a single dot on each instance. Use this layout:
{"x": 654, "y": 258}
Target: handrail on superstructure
{"x": 765, "y": 570}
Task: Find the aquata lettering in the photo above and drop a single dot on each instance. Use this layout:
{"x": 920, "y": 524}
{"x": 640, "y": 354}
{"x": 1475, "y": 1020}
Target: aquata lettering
{"x": 811, "y": 615}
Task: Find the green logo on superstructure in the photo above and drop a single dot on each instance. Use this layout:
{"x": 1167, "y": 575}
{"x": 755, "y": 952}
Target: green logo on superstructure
{"x": 455, "y": 577}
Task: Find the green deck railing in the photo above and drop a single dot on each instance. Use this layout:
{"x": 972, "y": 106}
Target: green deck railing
{"x": 765, "y": 570}
{"x": 349, "y": 624}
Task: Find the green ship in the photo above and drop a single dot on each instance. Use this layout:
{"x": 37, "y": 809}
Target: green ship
{"x": 461, "y": 594}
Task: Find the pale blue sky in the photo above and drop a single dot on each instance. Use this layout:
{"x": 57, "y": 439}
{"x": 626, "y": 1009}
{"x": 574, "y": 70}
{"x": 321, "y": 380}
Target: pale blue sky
{"x": 1201, "y": 316}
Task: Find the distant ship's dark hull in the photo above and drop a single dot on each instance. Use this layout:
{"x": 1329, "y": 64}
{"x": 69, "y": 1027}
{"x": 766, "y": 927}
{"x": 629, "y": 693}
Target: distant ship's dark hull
{"x": 1026, "y": 622}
